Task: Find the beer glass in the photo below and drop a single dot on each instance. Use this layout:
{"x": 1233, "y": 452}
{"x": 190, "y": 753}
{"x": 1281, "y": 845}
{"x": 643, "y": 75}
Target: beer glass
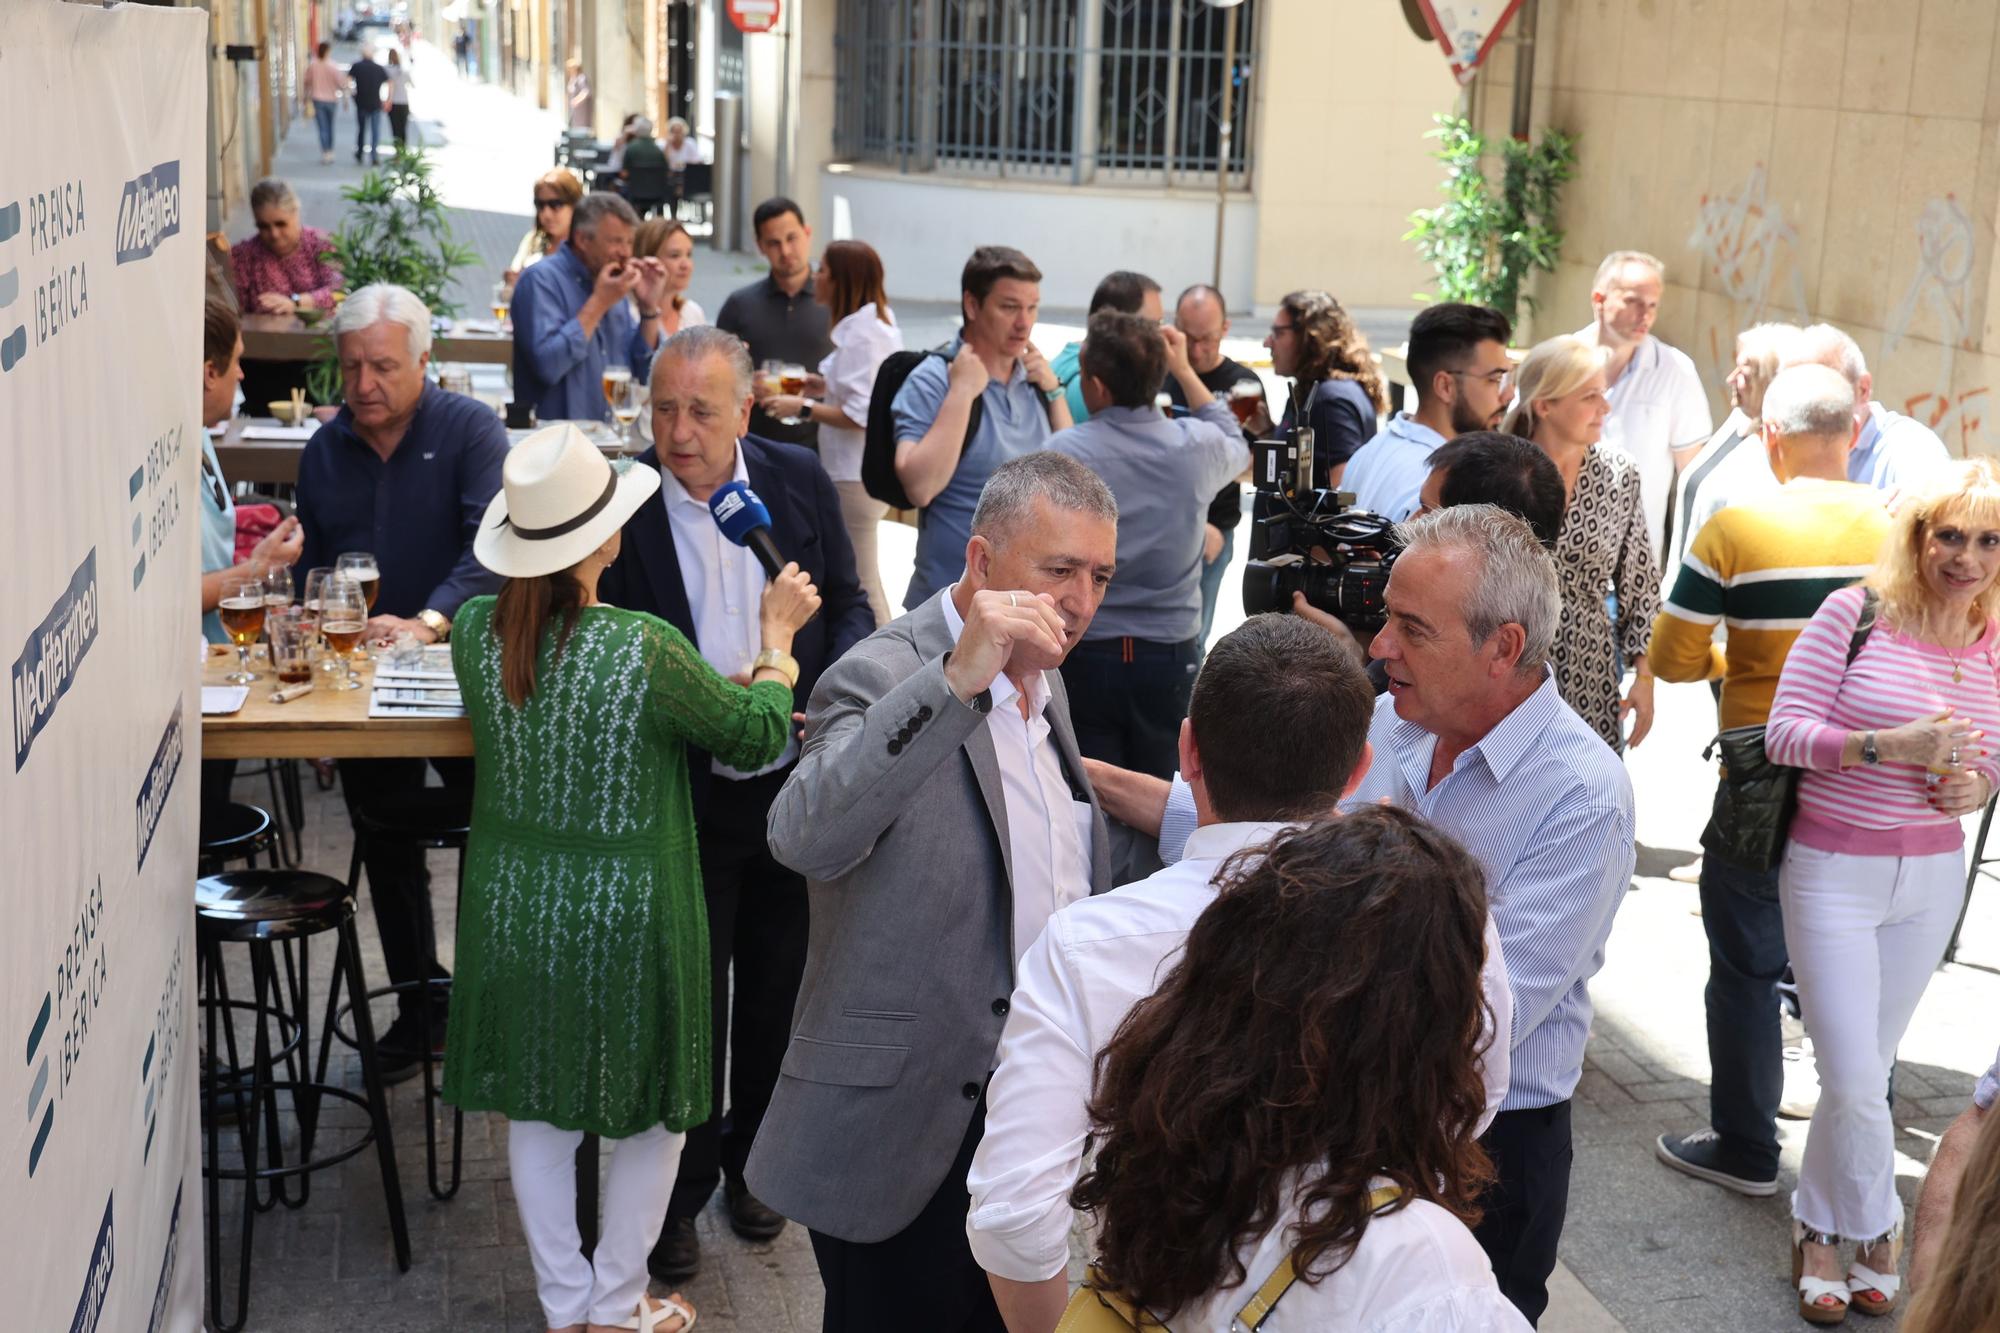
{"x": 631, "y": 400}
{"x": 278, "y": 586}
{"x": 360, "y": 567}
{"x": 616, "y": 380}
{"x": 501, "y": 299}
{"x": 242, "y": 614}
{"x": 1244, "y": 395}
{"x": 292, "y": 635}
{"x": 343, "y": 621}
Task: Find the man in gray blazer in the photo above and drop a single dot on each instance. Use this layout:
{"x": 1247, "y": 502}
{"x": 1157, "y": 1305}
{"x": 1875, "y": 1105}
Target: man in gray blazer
{"x": 940, "y": 815}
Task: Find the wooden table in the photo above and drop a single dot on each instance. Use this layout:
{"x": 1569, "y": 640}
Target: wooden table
{"x": 287, "y": 338}
{"x": 326, "y": 724}
{"x": 263, "y": 462}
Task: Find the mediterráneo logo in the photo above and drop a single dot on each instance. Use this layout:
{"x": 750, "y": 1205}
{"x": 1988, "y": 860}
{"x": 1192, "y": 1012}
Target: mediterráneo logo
{"x": 158, "y": 782}
{"x": 49, "y": 660}
{"x": 96, "y": 1279}
{"x": 149, "y": 211}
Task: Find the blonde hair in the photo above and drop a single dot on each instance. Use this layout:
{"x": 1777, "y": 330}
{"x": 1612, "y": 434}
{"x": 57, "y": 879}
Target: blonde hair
{"x": 1760, "y": 347}
{"x": 1617, "y": 260}
{"x": 1555, "y": 368}
{"x": 1967, "y": 493}
{"x": 1963, "y": 1293}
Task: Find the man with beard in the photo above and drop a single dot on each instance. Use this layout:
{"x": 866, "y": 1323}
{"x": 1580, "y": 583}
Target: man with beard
{"x": 1458, "y": 363}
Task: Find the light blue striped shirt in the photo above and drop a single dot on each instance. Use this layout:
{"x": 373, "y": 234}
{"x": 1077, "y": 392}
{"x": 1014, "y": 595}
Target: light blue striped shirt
{"x": 1545, "y": 806}
{"x": 1387, "y": 474}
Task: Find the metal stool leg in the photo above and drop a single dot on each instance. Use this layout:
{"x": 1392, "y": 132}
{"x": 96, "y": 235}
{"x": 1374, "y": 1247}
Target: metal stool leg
{"x": 349, "y": 956}
{"x": 1972, "y": 877}
{"x": 212, "y": 1128}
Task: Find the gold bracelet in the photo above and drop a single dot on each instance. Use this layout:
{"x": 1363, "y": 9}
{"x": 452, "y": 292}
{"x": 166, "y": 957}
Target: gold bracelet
{"x": 773, "y": 659}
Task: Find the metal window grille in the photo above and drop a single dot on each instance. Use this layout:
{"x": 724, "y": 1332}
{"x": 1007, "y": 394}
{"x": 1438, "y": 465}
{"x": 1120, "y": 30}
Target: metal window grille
{"x": 1112, "y": 91}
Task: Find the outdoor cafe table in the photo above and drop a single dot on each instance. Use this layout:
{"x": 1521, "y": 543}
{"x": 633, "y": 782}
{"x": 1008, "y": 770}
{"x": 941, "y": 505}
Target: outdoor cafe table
{"x": 325, "y": 724}
{"x": 288, "y": 338}
{"x": 271, "y": 462}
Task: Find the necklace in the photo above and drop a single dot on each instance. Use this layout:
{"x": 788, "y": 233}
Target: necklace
{"x": 1957, "y": 659}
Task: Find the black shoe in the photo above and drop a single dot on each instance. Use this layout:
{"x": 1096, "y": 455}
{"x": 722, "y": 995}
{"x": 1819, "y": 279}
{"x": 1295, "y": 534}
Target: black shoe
{"x": 749, "y": 1216}
{"x": 677, "y": 1256}
{"x": 357, "y": 155}
{"x": 399, "y": 1048}
{"x": 1702, "y": 1156}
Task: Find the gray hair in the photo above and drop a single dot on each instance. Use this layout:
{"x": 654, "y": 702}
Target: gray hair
{"x": 596, "y": 206}
{"x": 1810, "y": 399}
{"x": 705, "y": 340}
{"x": 1825, "y": 345}
{"x": 642, "y": 127}
{"x": 676, "y": 120}
{"x": 1517, "y": 582}
{"x": 1010, "y": 493}
{"x": 273, "y": 193}
{"x": 1618, "y": 259}
{"x": 380, "y": 301}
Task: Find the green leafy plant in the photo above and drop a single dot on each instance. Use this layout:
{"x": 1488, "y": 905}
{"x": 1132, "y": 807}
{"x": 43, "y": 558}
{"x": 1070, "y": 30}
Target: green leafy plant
{"x": 1484, "y": 242}
{"x": 397, "y": 229}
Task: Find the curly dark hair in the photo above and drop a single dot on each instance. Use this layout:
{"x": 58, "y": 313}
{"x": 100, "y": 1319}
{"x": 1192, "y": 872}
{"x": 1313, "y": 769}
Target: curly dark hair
{"x": 1331, "y": 347}
{"x": 1320, "y": 1029}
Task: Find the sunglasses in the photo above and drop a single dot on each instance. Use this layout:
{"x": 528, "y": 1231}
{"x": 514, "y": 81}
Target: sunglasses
{"x": 541, "y": 204}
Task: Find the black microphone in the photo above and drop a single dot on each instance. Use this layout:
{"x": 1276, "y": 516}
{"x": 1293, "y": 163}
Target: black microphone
{"x": 745, "y": 521}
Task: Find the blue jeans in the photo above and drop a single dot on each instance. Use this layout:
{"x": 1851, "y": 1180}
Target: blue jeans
{"x": 368, "y": 130}
{"x": 1746, "y": 959}
{"x": 323, "y": 120}
{"x": 1211, "y": 583}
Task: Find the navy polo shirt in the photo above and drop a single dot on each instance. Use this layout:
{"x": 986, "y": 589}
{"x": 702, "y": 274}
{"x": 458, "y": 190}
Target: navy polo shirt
{"x": 417, "y": 511}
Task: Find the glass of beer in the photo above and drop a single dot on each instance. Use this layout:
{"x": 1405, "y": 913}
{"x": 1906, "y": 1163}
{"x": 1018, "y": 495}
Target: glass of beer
{"x": 502, "y": 298}
{"x": 292, "y": 636}
{"x": 616, "y": 380}
{"x": 791, "y": 379}
{"x": 1244, "y": 396}
{"x": 242, "y": 614}
{"x": 631, "y": 399}
{"x": 343, "y": 620}
{"x": 361, "y": 569}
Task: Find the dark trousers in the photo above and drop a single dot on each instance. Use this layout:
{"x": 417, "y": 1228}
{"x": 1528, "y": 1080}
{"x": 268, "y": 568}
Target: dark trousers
{"x": 367, "y": 131}
{"x": 757, "y": 921}
{"x": 217, "y": 776}
{"x": 1526, "y": 1205}
{"x": 1746, "y": 960}
{"x": 399, "y": 885}
{"x": 399, "y": 124}
{"x": 923, "y": 1279}
{"x": 1127, "y": 698}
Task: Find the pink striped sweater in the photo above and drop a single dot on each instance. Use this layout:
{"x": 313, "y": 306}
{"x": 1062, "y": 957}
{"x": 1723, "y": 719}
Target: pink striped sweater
{"x": 1877, "y": 810}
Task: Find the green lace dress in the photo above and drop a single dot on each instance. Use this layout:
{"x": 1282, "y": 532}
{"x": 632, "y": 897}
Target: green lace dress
{"x": 581, "y": 990}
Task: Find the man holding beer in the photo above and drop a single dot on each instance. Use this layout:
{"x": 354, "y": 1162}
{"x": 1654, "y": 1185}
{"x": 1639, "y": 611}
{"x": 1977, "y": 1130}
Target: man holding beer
{"x": 404, "y": 473}
{"x": 572, "y": 323}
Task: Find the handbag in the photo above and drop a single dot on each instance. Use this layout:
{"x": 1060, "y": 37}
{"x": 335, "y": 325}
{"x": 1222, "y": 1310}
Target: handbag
{"x": 1095, "y": 1308}
{"x": 1757, "y": 798}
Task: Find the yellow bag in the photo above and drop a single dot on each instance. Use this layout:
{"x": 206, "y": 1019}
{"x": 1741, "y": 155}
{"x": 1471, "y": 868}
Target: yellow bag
{"x": 1092, "y": 1309}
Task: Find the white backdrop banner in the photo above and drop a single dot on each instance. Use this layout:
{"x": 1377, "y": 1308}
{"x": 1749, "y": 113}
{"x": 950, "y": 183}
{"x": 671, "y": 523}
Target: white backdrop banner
{"x": 101, "y": 195}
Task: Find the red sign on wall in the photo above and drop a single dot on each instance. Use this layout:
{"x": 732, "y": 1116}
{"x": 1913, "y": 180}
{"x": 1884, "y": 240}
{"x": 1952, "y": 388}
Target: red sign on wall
{"x": 753, "y": 15}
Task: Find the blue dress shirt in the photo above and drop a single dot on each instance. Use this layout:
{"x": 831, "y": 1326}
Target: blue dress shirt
{"x": 1387, "y": 474}
{"x": 556, "y": 369}
{"x": 1545, "y": 807}
{"x": 1895, "y": 452}
{"x": 416, "y": 512}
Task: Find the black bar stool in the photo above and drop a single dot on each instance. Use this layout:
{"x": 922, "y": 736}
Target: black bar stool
{"x": 287, "y": 801}
{"x": 240, "y": 832}
{"x": 435, "y": 817}
{"x": 259, "y": 908}
{"x": 1980, "y": 860}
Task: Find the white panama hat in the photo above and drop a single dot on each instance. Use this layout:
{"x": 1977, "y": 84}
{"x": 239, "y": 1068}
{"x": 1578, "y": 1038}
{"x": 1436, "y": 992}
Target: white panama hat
{"x": 560, "y": 499}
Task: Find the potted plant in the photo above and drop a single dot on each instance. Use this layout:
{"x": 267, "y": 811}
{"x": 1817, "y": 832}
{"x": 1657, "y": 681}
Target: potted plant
{"x": 397, "y": 229}
{"x": 1485, "y": 241}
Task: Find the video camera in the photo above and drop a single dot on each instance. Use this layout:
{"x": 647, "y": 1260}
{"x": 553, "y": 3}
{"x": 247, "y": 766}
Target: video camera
{"x": 1313, "y": 541}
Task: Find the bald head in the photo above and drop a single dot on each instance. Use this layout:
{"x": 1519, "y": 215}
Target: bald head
{"x": 1202, "y": 316}
{"x": 1809, "y": 422}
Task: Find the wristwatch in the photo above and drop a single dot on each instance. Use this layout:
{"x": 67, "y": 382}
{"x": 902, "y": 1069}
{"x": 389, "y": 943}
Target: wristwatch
{"x": 1868, "y": 751}
{"x": 439, "y": 624}
{"x": 781, "y": 662}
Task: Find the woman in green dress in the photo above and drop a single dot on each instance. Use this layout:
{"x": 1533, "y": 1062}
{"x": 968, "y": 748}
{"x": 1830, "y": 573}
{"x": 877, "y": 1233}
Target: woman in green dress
{"x": 581, "y": 999}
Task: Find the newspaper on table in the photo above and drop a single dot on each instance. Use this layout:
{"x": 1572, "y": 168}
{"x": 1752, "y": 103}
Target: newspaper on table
{"x": 426, "y": 689}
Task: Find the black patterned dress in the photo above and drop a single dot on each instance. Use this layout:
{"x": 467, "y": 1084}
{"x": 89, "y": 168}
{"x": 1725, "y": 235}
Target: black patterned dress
{"x": 1603, "y": 548}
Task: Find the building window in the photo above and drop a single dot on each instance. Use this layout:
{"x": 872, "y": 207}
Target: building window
{"x": 1105, "y": 91}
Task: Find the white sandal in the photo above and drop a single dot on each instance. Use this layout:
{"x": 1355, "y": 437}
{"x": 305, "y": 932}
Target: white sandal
{"x": 648, "y": 1319}
{"x": 1813, "y": 1290}
{"x": 1864, "y": 1282}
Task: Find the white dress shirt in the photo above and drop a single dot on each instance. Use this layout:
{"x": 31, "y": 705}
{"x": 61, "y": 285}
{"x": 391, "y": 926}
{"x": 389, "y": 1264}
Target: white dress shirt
{"x": 861, "y": 342}
{"x": 1098, "y": 958}
{"x": 1048, "y": 829}
{"x": 1657, "y": 406}
{"x": 725, "y": 592}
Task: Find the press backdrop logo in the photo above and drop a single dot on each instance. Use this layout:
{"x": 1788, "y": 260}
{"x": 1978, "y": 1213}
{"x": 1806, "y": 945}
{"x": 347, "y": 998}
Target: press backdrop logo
{"x": 96, "y": 1278}
{"x": 49, "y": 660}
{"x": 60, "y": 1034}
{"x": 158, "y": 782}
{"x": 149, "y": 211}
{"x": 14, "y": 343}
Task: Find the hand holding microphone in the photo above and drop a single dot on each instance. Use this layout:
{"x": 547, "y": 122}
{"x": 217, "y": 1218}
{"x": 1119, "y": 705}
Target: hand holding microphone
{"x": 791, "y": 600}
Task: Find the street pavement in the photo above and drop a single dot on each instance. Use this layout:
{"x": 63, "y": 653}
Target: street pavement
{"x": 1645, "y": 1249}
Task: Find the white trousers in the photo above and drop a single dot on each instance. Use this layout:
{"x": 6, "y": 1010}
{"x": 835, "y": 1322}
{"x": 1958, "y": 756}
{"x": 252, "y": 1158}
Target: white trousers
{"x": 1865, "y": 933}
{"x": 605, "y": 1289}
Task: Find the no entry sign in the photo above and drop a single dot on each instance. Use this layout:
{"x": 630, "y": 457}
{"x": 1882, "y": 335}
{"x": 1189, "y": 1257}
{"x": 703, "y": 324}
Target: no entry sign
{"x": 753, "y": 15}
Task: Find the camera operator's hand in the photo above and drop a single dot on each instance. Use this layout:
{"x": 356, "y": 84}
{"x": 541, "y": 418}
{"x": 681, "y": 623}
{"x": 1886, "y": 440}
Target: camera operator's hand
{"x": 1004, "y": 631}
{"x": 1333, "y": 625}
{"x": 1137, "y": 800}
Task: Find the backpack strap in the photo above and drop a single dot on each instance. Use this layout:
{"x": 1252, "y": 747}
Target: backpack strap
{"x": 1864, "y": 624}
{"x": 1253, "y": 1315}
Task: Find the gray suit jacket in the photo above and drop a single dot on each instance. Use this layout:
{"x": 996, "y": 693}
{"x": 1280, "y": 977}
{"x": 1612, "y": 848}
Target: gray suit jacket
{"x": 896, "y": 818}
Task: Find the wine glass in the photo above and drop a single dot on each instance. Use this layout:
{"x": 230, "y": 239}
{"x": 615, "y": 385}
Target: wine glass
{"x": 630, "y": 402}
{"x": 242, "y": 614}
{"x": 343, "y": 620}
{"x": 616, "y": 379}
{"x": 361, "y": 569}
{"x": 278, "y": 586}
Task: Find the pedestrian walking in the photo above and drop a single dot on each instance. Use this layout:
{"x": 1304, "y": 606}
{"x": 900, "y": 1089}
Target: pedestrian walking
{"x": 326, "y": 88}
{"x": 399, "y": 87}
{"x": 367, "y": 78}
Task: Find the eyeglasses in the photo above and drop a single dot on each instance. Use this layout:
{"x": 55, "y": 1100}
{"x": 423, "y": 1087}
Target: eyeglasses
{"x": 1277, "y": 329}
{"x": 541, "y": 204}
{"x": 1496, "y": 378}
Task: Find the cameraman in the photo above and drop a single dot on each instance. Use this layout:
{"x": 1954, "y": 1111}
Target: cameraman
{"x": 1485, "y": 467}
{"x": 1129, "y": 679}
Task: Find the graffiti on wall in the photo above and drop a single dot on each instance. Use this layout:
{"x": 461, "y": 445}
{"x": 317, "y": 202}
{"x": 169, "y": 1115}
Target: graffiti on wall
{"x": 1745, "y": 240}
{"x": 1942, "y": 284}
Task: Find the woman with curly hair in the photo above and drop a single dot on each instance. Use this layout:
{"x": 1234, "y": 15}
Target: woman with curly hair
{"x": 1300, "y": 1097}
{"x": 1337, "y": 388}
